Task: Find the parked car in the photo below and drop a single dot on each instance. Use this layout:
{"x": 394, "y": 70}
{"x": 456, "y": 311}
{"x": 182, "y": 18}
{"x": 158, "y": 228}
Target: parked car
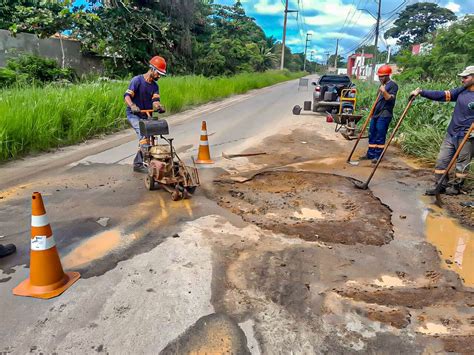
{"x": 327, "y": 93}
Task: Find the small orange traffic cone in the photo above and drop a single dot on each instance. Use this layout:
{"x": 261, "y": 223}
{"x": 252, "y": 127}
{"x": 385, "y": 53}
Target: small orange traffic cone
{"x": 47, "y": 278}
{"x": 204, "y": 157}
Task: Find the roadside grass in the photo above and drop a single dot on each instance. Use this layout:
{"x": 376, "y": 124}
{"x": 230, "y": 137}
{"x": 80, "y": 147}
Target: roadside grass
{"x": 34, "y": 119}
{"x": 425, "y": 125}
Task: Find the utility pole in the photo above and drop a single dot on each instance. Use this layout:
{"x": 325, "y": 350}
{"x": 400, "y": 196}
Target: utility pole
{"x": 335, "y": 59}
{"x": 388, "y": 53}
{"x": 311, "y": 60}
{"x": 327, "y": 61}
{"x": 284, "y": 35}
{"x": 377, "y": 29}
{"x": 305, "y": 49}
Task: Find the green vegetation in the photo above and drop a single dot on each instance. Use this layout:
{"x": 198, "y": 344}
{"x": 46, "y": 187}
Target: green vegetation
{"x": 32, "y": 69}
{"x": 36, "y": 119}
{"x": 195, "y": 36}
{"x": 425, "y": 125}
{"x": 452, "y": 51}
{"x": 417, "y": 22}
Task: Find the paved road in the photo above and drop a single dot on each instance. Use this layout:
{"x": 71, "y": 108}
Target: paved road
{"x": 93, "y": 183}
{"x": 204, "y": 276}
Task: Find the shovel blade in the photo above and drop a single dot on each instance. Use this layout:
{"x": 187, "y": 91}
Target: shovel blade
{"x": 360, "y": 185}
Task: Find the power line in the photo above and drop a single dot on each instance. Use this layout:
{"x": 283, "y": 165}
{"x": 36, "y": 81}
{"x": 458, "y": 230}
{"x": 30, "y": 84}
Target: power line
{"x": 366, "y": 39}
{"x": 347, "y": 16}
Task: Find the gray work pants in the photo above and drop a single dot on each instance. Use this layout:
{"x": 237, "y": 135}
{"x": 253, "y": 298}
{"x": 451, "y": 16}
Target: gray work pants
{"x": 446, "y": 153}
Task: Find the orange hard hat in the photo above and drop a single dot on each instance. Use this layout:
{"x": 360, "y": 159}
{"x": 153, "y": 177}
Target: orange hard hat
{"x": 384, "y": 70}
{"x": 159, "y": 64}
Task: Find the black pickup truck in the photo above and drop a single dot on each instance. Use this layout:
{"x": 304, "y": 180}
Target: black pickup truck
{"x": 328, "y": 90}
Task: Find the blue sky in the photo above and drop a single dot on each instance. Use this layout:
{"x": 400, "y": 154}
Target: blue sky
{"x": 329, "y": 20}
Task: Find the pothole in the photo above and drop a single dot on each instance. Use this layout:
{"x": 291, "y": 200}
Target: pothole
{"x": 311, "y": 206}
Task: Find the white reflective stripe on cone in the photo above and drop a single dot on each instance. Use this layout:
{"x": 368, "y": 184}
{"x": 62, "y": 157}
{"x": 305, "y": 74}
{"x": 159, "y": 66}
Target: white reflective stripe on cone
{"x": 203, "y": 133}
{"x": 39, "y": 221}
{"x": 42, "y": 242}
{"x": 204, "y": 143}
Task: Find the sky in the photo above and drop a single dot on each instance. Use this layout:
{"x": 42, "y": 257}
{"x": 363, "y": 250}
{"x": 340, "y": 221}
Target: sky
{"x": 329, "y": 20}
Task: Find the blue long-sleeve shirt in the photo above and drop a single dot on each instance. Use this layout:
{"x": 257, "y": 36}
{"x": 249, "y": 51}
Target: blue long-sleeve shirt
{"x": 143, "y": 93}
{"x": 463, "y": 114}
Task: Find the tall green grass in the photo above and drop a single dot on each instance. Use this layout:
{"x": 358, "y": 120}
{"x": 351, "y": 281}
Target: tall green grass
{"x": 424, "y": 127}
{"x": 34, "y": 119}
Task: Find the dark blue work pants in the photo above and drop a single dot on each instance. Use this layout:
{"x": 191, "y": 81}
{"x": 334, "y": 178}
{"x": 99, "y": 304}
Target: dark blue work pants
{"x": 377, "y": 134}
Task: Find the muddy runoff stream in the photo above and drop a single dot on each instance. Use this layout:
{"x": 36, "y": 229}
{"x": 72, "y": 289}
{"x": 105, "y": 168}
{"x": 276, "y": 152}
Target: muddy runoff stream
{"x": 311, "y": 206}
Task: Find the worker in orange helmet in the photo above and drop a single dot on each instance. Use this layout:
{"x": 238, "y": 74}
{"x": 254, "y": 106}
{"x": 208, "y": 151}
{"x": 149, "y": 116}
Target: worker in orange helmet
{"x": 143, "y": 93}
{"x": 382, "y": 115}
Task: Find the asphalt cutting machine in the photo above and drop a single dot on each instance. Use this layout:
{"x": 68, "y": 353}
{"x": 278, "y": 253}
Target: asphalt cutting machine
{"x": 165, "y": 167}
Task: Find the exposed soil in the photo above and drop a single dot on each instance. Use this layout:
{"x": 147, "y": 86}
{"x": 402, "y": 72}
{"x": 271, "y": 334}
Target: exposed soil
{"x": 364, "y": 295}
{"x": 311, "y": 206}
{"x": 412, "y": 297}
{"x": 398, "y": 318}
{"x": 465, "y": 215}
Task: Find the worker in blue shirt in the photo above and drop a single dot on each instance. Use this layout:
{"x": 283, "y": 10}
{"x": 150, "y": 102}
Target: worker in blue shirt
{"x": 462, "y": 118}
{"x": 143, "y": 93}
{"x": 382, "y": 115}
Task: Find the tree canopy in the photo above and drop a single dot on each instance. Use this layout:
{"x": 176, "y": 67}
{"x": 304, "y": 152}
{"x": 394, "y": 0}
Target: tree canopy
{"x": 452, "y": 50}
{"x": 417, "y": 21}
{"x": 195, "y": 36}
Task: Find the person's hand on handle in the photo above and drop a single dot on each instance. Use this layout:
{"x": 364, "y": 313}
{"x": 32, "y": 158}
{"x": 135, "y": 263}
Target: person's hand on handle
{"x": 158, "y": 107}
{"x": 135, "y": 109}
{"x": 415, "y": 92}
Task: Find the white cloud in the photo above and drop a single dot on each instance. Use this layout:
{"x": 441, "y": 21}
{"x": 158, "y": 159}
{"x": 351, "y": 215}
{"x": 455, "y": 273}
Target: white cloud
{"x": 263, "y": 7}
{"x": 453, "y": 6}
{"x": 334, "y": 13}
{"x": 335, "y": 35}
{"x": 391, "y": 41}
{"x": 293, "y": 41}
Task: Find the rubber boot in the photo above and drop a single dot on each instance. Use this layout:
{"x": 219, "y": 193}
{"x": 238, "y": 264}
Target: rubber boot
{"x": 453, "y": 190}
{"x": 432, "y": 192}
{"x": 442, "y": 189}
{"x": 6, "y": 250}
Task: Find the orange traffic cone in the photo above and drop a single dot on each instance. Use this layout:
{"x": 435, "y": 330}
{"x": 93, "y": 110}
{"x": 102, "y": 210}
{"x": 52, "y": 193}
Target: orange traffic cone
{"x": 204, "y": 157}
{"x": 47, "y": 278}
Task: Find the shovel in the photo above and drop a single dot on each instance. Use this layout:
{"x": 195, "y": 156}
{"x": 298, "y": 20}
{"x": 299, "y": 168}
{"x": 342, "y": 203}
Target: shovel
{"x": 230, "y": 156}
{"x": 438, "y": 202}
{"x": 364, "y": 185}
{"x": 354, "y": 162}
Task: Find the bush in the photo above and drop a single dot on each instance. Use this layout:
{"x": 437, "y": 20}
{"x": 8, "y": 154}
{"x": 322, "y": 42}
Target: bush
{"x": 31, "y": 68}
{"x": 7, "y": 76}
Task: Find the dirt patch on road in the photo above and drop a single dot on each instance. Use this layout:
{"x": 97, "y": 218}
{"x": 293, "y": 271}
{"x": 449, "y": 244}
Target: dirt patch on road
{"x": 311, "y": 206}
{"x": 465, "y": 215}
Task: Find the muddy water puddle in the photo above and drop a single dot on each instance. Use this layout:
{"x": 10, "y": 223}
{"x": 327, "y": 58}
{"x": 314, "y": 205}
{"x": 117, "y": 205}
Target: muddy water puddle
{"x": 454, "y": 243}
{"x": 311, "y": 206}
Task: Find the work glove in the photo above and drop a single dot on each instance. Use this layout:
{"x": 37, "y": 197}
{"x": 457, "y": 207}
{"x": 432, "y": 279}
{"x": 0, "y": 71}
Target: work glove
{"x": 135, "y": 109}
{"x": 415, "y": 92}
